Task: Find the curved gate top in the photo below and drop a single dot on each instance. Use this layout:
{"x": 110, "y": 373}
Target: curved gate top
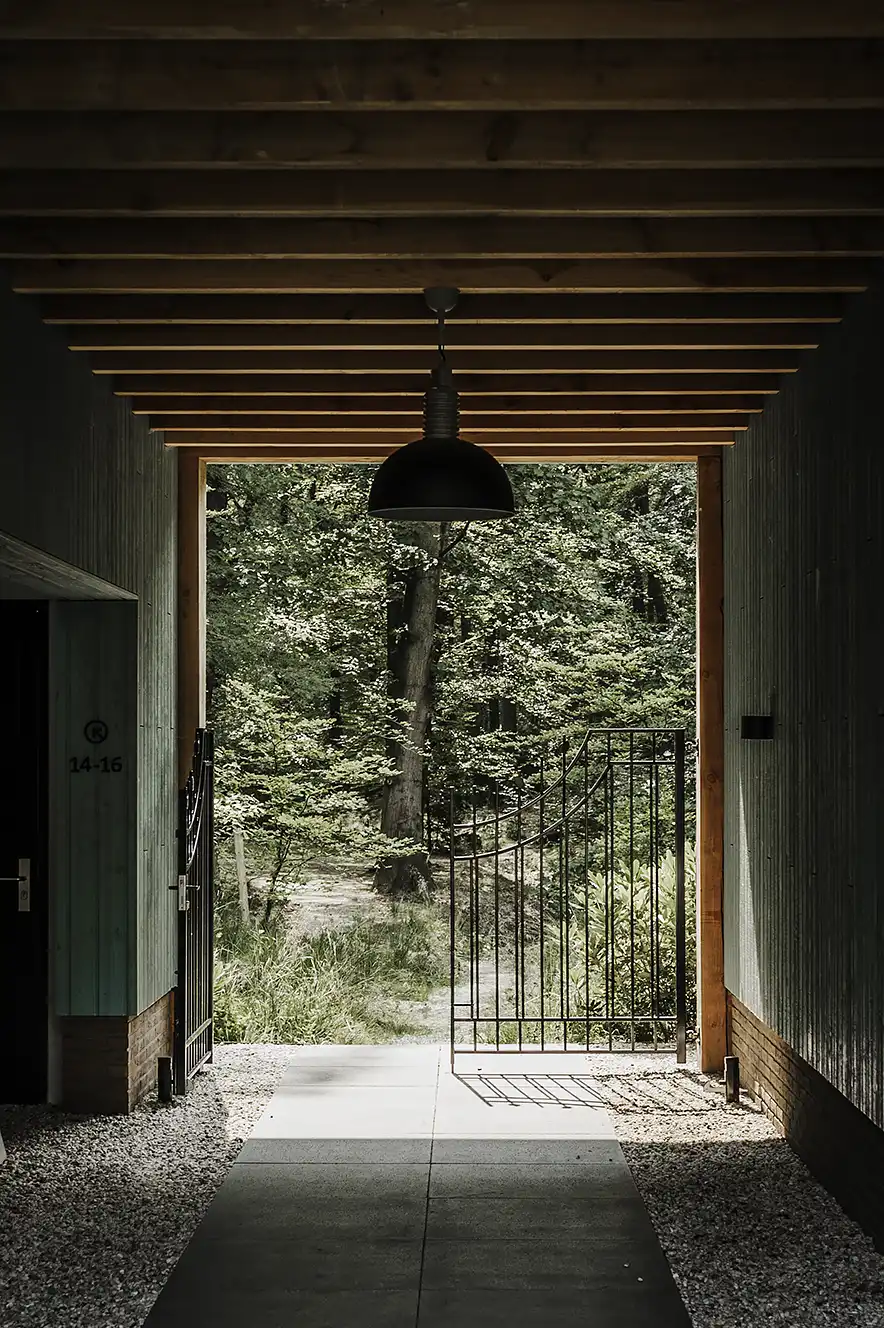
{"x": 568, "y": 905}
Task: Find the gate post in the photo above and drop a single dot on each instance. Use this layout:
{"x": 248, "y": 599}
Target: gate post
{"x": 711, "y": 999}
{"x": 681, "y": 1048}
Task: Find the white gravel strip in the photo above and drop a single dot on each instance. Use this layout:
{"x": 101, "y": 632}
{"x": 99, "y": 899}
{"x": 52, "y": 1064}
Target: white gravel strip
{"x": 95, "y": 1211}
{"x": 751, "y": 1237}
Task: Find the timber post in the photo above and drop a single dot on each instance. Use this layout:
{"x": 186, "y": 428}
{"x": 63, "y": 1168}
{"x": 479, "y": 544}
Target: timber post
{"x": 711, "y": 999}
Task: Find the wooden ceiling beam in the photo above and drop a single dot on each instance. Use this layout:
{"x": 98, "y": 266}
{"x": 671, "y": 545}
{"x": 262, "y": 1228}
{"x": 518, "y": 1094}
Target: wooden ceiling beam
{"x": 339, "y": 453}
{"x": 725, "y": 386}
{"x": 510, "y": 438}
{"x": 523, "y": 407}
{"x": 417, "y": 238}
{"x": 465, "y": 363}
{"x": 311, "y": 276}
{"x": 419, "y": 75}
{"x": 447, "y": 20}
{"x": 410, "y": 426}
{"x": 435, "y": 194}
{"x": 505, "y": 338}
{"x": 410, "y": 310}
{"x": 381, "y": 140}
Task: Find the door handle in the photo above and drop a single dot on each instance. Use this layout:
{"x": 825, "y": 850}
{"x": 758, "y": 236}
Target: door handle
{"x": 23, "y": 880}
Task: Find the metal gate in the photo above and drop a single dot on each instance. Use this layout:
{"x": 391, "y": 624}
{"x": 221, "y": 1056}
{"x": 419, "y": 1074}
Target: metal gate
{"x": 568, "y": 906}
{"x": 193, "y": 994}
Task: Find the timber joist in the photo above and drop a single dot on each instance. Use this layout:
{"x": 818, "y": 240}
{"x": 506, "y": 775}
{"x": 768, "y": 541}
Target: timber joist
{"x": 653, "y": 211}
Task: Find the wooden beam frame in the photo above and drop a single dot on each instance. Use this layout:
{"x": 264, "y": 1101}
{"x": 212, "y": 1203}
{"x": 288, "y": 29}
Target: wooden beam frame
{"x": 419, "y": 192}
{"x": 412, "y": 386}
{"x": 336, "y": 366}
{"x": 498, "y": 275}
{"x": 442, "y": 20}
{"x": 473, "y": 310}
{"x": 542, "y": 444}
{"x": 260, "y": 75}
{"x": 711, "y": 1001}
{"x": 411, "y": 406}
{"x": 347, "y": 452}
{"x": 191, "y": 606}
{"x": 505, "y": 338}
{"x": 502, "y": 239}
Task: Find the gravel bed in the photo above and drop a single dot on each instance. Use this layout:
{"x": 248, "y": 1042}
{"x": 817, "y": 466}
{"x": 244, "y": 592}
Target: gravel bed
{"x": 751, "y": 1237}
{"x": 95, "y": 1211}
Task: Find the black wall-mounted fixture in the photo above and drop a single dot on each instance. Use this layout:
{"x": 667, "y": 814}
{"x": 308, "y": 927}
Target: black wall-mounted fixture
{"x": 757, "y": 727}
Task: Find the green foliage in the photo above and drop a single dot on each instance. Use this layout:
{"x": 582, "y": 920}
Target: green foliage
{"x": 577, "y": 612}
{"x": 580, "y": 951}
{"x": 334, "y": 986}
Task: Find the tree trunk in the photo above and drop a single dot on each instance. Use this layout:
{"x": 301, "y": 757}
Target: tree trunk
{"x": 411, "y": 631}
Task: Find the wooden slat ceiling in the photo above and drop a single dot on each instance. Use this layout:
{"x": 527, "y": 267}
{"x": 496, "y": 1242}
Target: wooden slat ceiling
{"x": 654, "y": 211}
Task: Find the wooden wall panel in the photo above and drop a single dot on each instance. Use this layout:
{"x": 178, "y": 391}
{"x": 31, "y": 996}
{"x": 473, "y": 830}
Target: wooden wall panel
{"x": 93, "y": 804}
{"x": 804, "y": 836}
{"x": 83, "y": 479}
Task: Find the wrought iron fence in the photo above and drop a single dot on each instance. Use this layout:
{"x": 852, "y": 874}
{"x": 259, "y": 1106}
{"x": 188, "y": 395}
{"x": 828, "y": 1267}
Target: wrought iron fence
{"x": 193, "y": 1041}
{"x": 568, "y": 905}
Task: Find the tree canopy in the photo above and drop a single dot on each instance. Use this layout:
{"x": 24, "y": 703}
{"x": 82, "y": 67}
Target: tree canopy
{"x": 578, "y": 612}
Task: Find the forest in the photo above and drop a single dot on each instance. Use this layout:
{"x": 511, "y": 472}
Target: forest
{"x": 361, "y": 671}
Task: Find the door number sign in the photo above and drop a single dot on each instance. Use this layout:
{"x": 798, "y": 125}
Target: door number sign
{"x": 96, "y": 732}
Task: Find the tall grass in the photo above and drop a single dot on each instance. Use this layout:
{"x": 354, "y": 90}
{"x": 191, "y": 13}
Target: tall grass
{"x": 273, "y": 985}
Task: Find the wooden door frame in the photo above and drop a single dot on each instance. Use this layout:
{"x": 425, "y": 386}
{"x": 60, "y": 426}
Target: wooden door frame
{"x": 711, "y": 1001}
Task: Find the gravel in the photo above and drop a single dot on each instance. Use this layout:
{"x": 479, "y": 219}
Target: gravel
{"x": 95, "y": 1211}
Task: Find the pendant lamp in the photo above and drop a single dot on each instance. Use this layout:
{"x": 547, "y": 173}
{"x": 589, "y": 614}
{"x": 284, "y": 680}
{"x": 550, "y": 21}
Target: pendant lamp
{"x": 441, "y": 477}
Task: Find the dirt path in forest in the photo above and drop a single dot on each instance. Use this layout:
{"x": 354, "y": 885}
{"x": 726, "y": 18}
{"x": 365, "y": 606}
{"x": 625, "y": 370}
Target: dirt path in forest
{"x": 334, "y": 897}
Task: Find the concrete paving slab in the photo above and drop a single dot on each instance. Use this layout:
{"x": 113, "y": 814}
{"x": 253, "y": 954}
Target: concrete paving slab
{"x": 346, "y": 1112}
{"x": 524, "y": 1152}
{"x": 273, "y": 1308}
{"x": 580, "y": 1307}
{"x": 214, "y": 1267}
{"x": 597, "y": 1179}
{"x": 298, "y": 1201}
{"x": 326, "y": 1152}
{"x": 596, "y": 1218}
{"x": 534, "y": 1264}
{"x": 391, "y": 1054}
{"x": 381, "y": 1190}
{"x": 360, "y": 1074}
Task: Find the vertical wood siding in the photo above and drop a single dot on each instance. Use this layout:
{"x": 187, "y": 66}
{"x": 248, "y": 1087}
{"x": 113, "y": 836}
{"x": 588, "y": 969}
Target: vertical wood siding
{"x": 804, "y": 637}
{"x": 85, "y": 480}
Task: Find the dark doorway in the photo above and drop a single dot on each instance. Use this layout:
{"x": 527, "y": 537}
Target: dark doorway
{"x": 24, "y": 924}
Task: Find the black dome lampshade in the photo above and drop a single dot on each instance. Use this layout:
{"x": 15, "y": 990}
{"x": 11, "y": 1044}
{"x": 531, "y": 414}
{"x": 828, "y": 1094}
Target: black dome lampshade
{"x": 441, "y": 477}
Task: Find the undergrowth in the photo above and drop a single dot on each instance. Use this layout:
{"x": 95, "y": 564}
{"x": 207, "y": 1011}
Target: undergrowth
{"x": 339, "y": 986}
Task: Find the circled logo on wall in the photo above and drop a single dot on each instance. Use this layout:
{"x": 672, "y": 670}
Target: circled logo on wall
{"x": 96, "y": 731}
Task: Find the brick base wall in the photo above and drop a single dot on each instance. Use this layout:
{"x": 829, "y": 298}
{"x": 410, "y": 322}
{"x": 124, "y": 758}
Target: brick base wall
{"x": 841, "y": 1146}
{"x": 109, "y": 1062}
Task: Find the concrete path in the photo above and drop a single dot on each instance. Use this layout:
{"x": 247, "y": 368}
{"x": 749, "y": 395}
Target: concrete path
{"x": 379, "y": 1191}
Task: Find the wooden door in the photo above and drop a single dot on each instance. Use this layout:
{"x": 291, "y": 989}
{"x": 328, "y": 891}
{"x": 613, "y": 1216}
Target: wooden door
{"x": 24, "y": 931}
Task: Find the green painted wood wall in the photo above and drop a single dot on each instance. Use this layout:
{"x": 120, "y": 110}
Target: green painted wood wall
{"x": 83, "y": 479}
{"x": 804, "y": 841}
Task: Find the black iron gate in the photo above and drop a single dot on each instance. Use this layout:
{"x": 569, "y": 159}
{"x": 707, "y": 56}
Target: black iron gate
{"x": 568, "y": 906}
{"x": 193, "y": 994}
